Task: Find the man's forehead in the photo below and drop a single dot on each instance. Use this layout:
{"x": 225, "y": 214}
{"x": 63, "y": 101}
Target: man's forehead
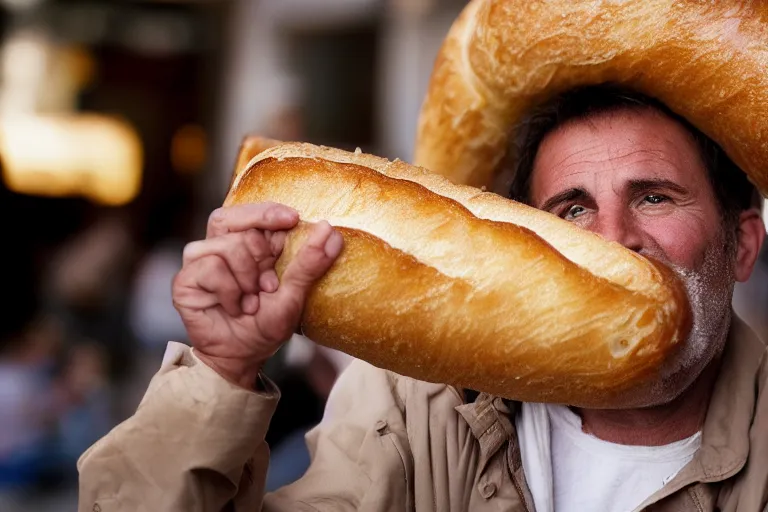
{"x": 641, "y": 125}
{"x": 632, "y": 144}
{"x": 642, "y": 137}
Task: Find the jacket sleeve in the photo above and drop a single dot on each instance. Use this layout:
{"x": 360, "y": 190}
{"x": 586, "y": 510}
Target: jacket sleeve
{"x": 196, "y": 443}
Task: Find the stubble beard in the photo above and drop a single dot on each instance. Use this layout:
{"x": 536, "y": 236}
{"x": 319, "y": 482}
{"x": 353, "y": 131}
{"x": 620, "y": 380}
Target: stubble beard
{"x": 710, "y": 291}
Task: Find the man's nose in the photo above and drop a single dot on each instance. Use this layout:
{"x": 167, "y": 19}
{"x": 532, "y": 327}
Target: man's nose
{"x": 619, "y": 225}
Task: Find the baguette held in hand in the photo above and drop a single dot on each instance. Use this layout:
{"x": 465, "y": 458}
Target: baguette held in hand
{"x": 446, "y": 283}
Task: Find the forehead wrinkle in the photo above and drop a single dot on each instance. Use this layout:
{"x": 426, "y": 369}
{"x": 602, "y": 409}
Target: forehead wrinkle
{"x": 650, "y": 153}
{"x": 652, "y": 159}
{"x": 590, "y": 149}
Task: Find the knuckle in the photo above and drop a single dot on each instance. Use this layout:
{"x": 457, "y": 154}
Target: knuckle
{"x": 190, "y": 250}
{"x": 269, "y": 211}
{"x": 180, "y": 290}
{"x": 176, "y": 282}
{"x": 217, "y": 217}
{"x": 238, "y": 255}
{"x": 251, "y": 237}
{"x": 254, "y": 242}
{"x": 178, "y": 299}
{"x": 302, "y": 278}
{"x": 275, "y": 211}
{"x": 311, "y": 257}
{"x": 214, "y": 265}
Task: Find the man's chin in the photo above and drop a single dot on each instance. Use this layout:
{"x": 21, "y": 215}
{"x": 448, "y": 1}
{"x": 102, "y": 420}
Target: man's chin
{"x": 683, "y": 371}
{"x": 710, "y": 292}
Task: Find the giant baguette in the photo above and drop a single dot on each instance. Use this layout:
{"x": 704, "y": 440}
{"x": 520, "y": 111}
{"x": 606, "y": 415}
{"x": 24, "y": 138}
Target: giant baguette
{"x": 706, "y": 60}
{"x": 437, "y": 282}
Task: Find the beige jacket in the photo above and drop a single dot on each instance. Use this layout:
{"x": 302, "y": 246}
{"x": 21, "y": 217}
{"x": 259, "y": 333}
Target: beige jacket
{"x": 389, "y": 443}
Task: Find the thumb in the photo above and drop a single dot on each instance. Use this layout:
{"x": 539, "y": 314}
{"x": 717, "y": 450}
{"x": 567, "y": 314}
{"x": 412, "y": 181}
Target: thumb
{"x": 312, "y": 261}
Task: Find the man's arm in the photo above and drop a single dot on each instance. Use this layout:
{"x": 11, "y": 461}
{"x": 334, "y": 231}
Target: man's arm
{"x": 196, "y": 443}
{"x": 197, "y": 439}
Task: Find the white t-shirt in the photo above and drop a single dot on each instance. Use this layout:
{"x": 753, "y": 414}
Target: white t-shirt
{"x": 592, "y": 474}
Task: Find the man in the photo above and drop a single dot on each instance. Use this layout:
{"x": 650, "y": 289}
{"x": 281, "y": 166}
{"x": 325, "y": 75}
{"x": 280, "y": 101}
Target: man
{"x": 612, "y": 162}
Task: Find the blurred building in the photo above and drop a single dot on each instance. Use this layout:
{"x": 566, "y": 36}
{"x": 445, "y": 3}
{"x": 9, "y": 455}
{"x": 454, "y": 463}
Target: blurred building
{"x": 348, "y": 72}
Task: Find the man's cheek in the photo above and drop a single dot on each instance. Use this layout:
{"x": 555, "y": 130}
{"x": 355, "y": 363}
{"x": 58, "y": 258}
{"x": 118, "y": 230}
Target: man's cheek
{"x": 682, "y": 243}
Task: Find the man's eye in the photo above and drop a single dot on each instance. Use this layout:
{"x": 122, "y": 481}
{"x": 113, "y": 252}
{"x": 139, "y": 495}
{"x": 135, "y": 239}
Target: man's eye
{"x": 574, "y": 211}
{"x": 655, "y": 199}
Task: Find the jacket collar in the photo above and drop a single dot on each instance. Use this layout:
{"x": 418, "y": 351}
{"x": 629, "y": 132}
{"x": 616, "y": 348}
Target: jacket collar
{"x": 490, "y": 420}
{"x": 725, "y": 435}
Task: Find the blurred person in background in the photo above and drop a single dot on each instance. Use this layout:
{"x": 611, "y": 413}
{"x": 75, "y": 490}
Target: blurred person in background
{"x": 25, "y": 375}
{"x": 27, "y": 358}
{"x": 54, "y": 396}
{"x": 84, "y": 406}
{"x": 85, "y": 281}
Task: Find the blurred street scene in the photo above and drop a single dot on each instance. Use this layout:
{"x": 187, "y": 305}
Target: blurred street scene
{"x": 120, "y": 122}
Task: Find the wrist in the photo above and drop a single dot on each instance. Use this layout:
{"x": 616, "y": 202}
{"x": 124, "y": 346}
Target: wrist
{"x": 237, "y": 372}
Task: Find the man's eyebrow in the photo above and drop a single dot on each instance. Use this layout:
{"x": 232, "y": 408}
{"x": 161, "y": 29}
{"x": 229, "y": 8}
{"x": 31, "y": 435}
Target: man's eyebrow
{"x": 637, "y": 186}
{"x": 565, "y": 196}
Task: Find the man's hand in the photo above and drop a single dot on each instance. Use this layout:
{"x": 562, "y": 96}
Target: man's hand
{"x": 236, "y": 312}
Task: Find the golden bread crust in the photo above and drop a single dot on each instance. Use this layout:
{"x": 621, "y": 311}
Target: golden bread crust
{"x": 707, "y": 61}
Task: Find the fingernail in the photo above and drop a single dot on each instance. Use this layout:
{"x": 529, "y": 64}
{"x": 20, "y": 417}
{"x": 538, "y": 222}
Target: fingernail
{"x": 318, "y": 232}
{"x": 333, "y": 245}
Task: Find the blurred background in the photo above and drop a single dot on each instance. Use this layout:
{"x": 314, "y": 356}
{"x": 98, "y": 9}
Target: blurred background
{"x": 120, "y": 122}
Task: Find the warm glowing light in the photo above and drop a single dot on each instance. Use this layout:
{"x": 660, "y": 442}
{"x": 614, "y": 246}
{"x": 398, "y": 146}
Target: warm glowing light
{"x": 189, "y": 149}
{"x": 93, "y": 156}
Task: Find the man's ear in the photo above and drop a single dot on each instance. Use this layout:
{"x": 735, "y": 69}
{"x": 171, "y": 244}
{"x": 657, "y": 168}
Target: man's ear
{"x": 750, "y": 239}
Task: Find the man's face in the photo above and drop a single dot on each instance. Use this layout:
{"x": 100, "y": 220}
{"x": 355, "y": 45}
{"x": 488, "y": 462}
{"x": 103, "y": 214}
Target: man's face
{"x": 637, "y": 178}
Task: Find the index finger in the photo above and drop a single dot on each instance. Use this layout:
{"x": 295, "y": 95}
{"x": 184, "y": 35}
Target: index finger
{"x": 266, "y": 216}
